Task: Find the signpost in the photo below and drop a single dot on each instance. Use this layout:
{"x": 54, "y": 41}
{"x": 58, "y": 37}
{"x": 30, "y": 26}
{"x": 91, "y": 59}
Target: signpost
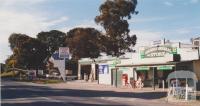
{"x": 63, "y": 53}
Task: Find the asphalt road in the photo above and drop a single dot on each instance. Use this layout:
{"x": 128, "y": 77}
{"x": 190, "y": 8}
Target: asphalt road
{"x": 29, "y": 94}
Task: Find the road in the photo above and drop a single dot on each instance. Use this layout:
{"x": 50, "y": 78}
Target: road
{"x": 75, "y": 94}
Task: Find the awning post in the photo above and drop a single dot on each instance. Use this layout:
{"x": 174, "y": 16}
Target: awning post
{"x": 153, "y": 78}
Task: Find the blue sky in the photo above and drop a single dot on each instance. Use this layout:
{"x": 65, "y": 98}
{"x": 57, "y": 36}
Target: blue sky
{"x": 176, "y": 20}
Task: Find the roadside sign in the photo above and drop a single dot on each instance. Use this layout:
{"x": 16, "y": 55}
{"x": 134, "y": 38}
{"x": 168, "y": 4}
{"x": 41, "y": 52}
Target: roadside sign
{"x": 40, "y": 72}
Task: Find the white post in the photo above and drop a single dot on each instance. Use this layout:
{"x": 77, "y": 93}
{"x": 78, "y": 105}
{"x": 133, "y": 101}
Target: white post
{"x": 135, "y": 75}
{"x": 79, "y": 71}
{"x": 92, "y": 74}
{"x": 173, "y": 90}
{"x": 186, "y": 92}
{"x": 64, "y": 71}
{"x": 163, "y": 84}
{"x": 95, "y": 72}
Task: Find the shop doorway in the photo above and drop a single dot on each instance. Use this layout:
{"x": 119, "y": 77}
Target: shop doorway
{"x": 116, "y": 77}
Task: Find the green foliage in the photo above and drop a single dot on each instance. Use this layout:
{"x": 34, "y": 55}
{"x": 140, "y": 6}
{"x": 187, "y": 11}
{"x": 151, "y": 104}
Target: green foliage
{"x": 47, "y": 81}
{"x": 113, "y": 14}
{"x": 53, "y": 39}
{"x": 27, "y": 52}
{"x": 84, "y": 42}
{"x": 33, "y": 54}
{"x": 16, "y": 40}
{"x": 8, "y": 74}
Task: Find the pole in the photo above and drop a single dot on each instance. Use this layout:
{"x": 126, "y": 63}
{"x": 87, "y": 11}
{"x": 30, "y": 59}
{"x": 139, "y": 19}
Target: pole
{"x": 176, "y": 77}
{"x": 153, "y": 78}
{"x": 64, "y": 76}
{"x": 186, "y": 91}
{"x": 116, "y": 78}
{"x": 79, "y": 71}
{"x": 163, "y": 84}
{"x": 98, "y": 74}
{"x": 199, "y": 52}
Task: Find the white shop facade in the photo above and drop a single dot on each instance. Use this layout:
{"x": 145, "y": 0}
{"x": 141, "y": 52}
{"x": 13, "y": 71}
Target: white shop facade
{"x": 152, "y": 64}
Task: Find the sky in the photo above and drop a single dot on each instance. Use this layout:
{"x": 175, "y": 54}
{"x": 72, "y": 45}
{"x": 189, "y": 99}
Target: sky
{"x": 175, "y": 20}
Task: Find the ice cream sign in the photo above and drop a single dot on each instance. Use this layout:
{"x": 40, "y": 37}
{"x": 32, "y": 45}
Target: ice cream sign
{"x": 157, "y": 51}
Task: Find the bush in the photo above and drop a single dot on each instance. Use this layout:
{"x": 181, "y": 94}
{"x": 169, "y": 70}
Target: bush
{"x": 8, "y": 74}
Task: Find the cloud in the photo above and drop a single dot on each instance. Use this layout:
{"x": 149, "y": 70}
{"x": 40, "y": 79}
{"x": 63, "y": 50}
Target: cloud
{"x": 20, "y": 2}
{"x": 26, "y": 23}
{"x": 149, "y": 19}
{"x": 180, "y": 2}
{"x": 145, "y": 37}
{"x": 83, "y": 24}
{"x": 55, "y": 22}
{"x": 194, "y": 1}
{"x": 167, "y": 3}
{"x": 182, "y": 31}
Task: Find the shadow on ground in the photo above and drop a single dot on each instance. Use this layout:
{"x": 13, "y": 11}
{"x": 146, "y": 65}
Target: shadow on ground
{"x": 26, "y": 91}
{"x": 12, "y": 92}
{"x": 57, "y": 104}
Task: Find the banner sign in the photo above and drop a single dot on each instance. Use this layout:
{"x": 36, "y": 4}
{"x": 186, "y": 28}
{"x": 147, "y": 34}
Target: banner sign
{"x": 158, "y": 51}
{"x": 63, "y": 52}
{"x": 103, "y": 69}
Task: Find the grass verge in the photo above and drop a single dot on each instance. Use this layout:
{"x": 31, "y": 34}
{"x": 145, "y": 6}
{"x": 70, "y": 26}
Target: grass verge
{"x": 47, "y": 81}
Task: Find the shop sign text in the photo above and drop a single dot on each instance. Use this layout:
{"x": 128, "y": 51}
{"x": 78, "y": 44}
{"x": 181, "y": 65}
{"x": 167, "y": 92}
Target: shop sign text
{"x": 158, "y": 51}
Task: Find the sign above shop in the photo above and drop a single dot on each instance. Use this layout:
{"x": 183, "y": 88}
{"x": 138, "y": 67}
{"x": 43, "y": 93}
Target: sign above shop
{"x": 124, "y": 68}
{"x": 142, "y": 68}
{"x": 166, "y": 67}
{"x": 157, "y": 51}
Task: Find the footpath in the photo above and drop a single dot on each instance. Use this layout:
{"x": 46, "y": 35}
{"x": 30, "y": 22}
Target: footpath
{"x": 144, "y": 93}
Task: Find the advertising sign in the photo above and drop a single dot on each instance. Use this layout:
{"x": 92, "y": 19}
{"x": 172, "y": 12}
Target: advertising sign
{"x": 63, "y": 52}
{"x": 103, "y": 69}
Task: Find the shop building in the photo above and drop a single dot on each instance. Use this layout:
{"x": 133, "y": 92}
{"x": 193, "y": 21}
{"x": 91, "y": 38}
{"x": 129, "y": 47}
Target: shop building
{"x": 150, "y": 63}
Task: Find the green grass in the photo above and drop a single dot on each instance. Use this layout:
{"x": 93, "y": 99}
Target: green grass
{"x": 47, "y": 81}
{"x": 12, "y": 74}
